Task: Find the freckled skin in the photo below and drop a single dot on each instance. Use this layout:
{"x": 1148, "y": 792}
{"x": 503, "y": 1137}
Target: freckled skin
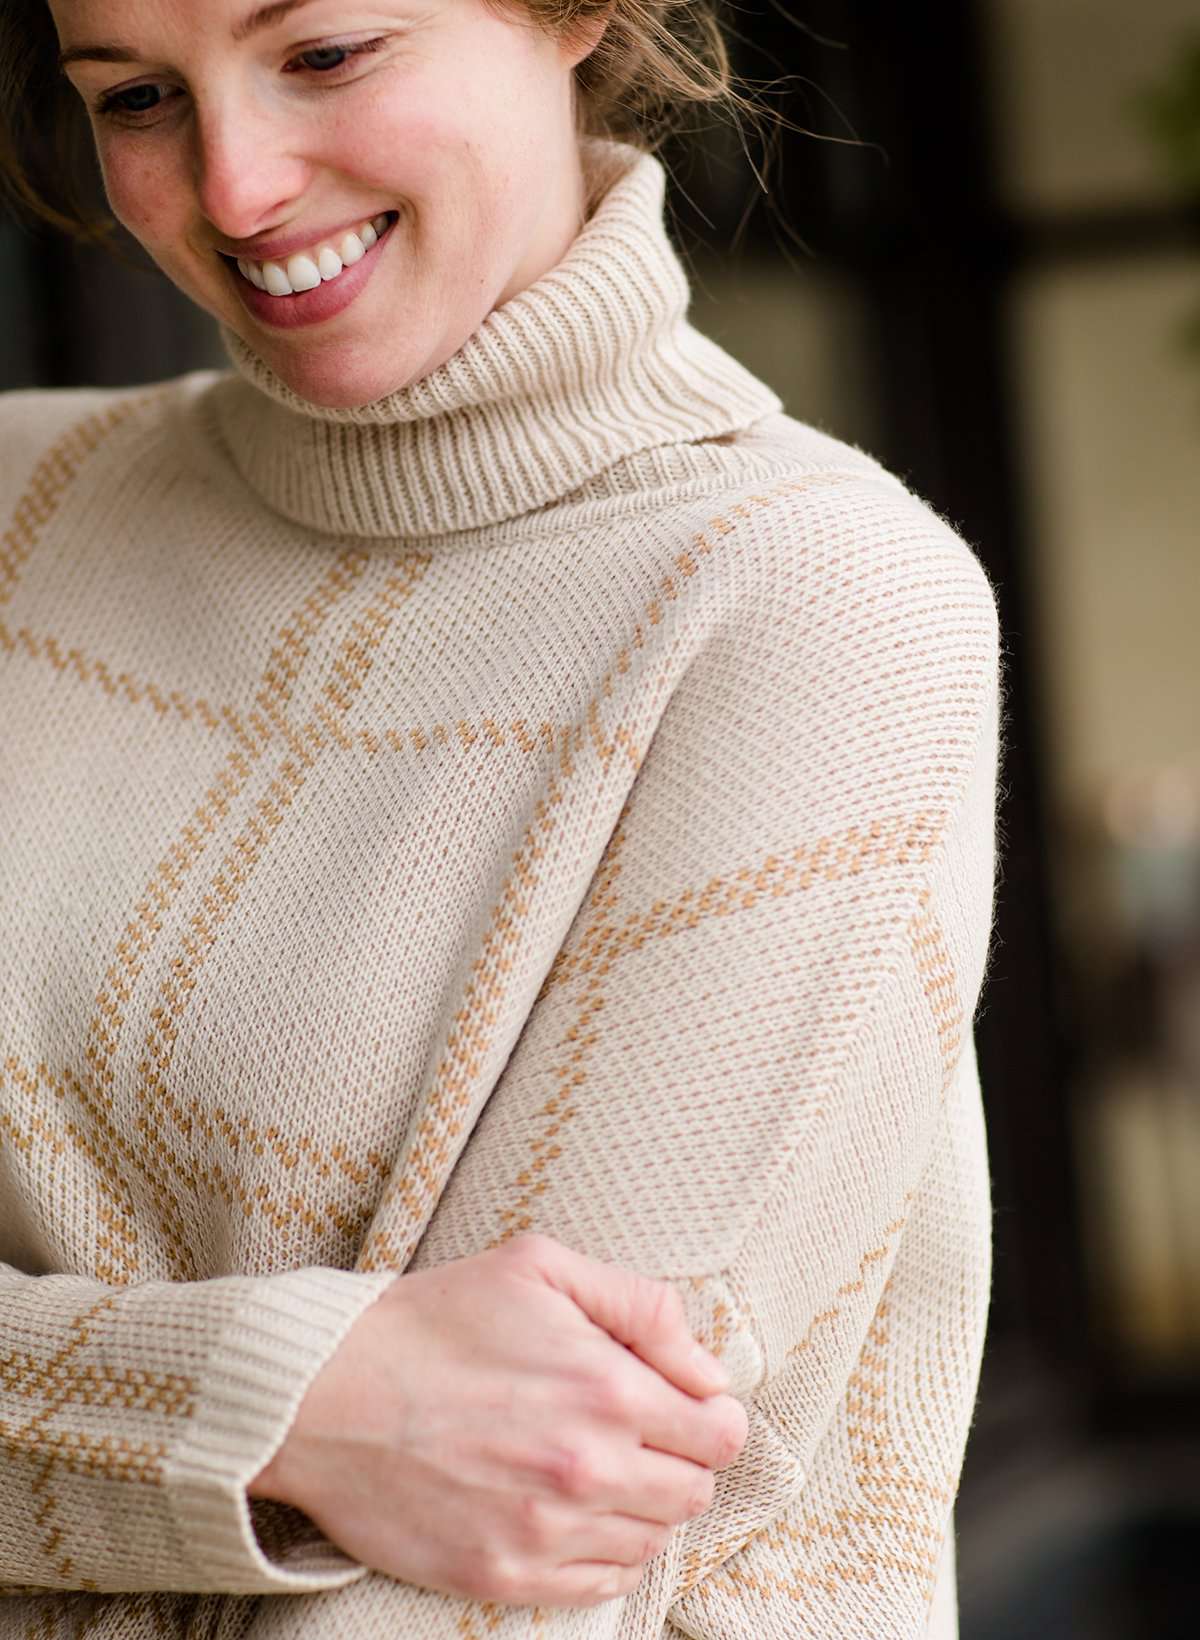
{"x": 463, "y": 121}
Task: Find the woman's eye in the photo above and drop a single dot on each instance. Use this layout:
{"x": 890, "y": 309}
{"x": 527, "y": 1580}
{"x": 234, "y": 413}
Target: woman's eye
{"x": 322, "y": 58}
{"x": 139, "y": 99}
{"x": 327, "y": 59}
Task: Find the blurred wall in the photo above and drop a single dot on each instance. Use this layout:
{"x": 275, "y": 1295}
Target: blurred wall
{"x": 1110, "y": 406}
{"x": 1064, "y": 69}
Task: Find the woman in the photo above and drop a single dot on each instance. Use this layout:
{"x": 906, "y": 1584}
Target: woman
{"x": 500, "y": 851}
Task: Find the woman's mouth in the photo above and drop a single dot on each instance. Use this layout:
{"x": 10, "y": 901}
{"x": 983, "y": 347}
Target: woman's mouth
{"x": 316, "y": 283}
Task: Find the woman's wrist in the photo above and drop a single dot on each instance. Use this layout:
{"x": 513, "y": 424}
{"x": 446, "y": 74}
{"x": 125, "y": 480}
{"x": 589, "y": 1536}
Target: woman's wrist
{"x": 266, "y": 1483}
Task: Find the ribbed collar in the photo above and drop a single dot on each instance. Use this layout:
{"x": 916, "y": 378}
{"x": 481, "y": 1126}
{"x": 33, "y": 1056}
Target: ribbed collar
{"x": 592, "y": 363}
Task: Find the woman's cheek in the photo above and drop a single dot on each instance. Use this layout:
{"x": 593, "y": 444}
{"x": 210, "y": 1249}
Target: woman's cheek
{"x": 391, "y": 148}
{"x": 139, "y": 196}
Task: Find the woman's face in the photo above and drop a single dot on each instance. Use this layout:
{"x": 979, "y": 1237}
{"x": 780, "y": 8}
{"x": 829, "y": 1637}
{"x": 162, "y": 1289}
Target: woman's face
{"x": 270, "y": 132}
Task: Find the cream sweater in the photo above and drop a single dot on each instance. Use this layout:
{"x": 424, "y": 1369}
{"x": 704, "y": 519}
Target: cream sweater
{"x": 560, "y": 796}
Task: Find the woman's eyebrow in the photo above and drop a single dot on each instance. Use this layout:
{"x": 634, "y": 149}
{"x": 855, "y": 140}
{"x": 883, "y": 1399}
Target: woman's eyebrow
{"x": 261, "y": 18}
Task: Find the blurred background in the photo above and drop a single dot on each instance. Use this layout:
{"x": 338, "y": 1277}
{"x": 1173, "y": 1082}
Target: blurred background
{"x": 980, "y": 261}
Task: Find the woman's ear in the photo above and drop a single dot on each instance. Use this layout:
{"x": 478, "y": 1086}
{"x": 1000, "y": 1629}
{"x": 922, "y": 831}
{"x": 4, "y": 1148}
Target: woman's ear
{"x": 585, "y": 34}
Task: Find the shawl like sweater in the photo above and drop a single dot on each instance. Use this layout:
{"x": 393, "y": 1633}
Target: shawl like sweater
{"x": 558, "y": 796}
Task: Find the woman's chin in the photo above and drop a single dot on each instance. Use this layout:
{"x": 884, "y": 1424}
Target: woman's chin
{"x": 344, "y": 371}
{"x": 335, "y": 382}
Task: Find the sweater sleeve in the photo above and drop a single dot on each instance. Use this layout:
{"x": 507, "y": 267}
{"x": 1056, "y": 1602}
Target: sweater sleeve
{"x": 750, "y": 1069}
{"x": 864, "y": 1542}
{"x": 132, "y": 1418}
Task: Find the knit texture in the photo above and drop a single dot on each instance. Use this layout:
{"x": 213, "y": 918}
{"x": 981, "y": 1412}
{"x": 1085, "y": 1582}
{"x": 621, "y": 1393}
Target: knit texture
{"x": 558, "y": 796}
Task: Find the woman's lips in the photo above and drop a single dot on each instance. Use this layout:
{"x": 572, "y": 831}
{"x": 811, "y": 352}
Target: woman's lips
{"x": 309, "y": 307}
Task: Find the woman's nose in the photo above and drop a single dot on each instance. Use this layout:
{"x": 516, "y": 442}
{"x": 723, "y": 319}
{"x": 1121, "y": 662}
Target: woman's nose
{"x": 248, "y": 167}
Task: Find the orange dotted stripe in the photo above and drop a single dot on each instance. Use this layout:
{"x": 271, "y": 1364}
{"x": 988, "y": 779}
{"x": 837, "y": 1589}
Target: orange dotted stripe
{"x": 91, "y": 1133}
{"x": 49, "y": 482}
{"x": 412, "y": 1191}
{"x": 60, "y": 1382}
{"x": 604, "y": 941}
{"x": 90, "y": 670}
{"x": 907, "y": 840}
{"x": 571, "y": 1072}
{"x": 939, "y": 979}
{"x": 915, "y": 1506}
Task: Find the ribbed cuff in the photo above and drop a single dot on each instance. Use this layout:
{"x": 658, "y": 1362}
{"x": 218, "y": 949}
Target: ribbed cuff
{"x": 280, "y": 1337}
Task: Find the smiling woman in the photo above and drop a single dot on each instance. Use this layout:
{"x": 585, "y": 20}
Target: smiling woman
{"x": 261, "y": 139}
{"x": 498, "y": 857}
{"x": 467, "y": 113}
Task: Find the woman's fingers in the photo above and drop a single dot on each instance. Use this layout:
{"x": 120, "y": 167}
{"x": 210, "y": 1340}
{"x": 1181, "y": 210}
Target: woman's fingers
{"x": 645, "y": 1315}
{"x": 478, "y": 1429}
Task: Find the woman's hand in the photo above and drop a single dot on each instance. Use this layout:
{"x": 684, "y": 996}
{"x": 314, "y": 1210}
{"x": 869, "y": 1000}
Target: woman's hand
{"x": 526, "y": 1426}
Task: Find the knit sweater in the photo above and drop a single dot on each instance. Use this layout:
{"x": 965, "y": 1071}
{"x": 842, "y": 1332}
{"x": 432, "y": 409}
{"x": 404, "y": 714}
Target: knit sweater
{"x": 558, "y": 796}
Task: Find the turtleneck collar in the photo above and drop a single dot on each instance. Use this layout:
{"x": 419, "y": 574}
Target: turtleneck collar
{"x": 593, "y": 362}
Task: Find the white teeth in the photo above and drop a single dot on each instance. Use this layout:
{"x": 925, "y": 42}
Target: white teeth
{"x": 303, "y": 273}
{"x": 307, "y": 269}
{"x": 251, "y": 271}
{"x": 351, "y": 249}
{"x": 277, "y": 281}
{"x": 329, "y": 263}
